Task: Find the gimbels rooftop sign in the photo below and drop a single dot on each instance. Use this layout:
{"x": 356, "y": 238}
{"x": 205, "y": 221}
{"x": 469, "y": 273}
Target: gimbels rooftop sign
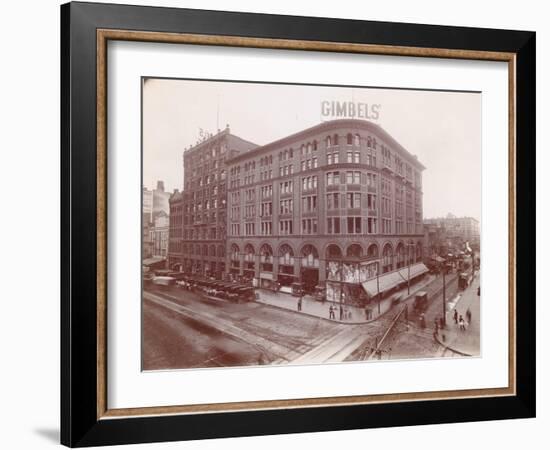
{"x": 349, "y": 110}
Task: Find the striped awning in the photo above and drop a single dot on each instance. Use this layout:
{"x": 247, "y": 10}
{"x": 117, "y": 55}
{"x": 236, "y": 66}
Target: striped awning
{"x": 384, "y": 283}
{"x": 415, "y": 271}
{"x": 388, "y": 281}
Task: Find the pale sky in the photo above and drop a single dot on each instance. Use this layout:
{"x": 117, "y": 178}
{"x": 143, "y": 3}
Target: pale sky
{"x": 442, "y": 128}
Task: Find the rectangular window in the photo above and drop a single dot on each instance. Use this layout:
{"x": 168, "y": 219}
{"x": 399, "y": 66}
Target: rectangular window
{"x": 333, "y": 178}
{"x": 354, "y": 225}
{"x": 353, "y": 200}
{"x": 285, "y": 227}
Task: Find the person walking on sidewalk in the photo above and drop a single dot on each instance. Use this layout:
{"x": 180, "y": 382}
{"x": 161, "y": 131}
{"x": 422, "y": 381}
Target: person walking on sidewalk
{"x": 461, "y": 323}
{"x": 368, "y": 313}
{"x": 341, "y": 311}
{"x": 455, "y": 317}
{"x": 299, "y": 303}
{"x": 331, "y": 312}
{"x": 468, "y": 315}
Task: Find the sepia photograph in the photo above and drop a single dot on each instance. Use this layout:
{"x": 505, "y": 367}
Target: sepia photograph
{"x": 288, "y": 224}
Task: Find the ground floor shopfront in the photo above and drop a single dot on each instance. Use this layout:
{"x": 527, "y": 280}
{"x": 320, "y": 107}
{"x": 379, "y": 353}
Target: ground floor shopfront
{"x": 343, "y": 270}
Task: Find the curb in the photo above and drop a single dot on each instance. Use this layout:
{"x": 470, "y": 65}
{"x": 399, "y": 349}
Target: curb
{"x": 436, "y": 339}
{"x": 320, "y": 317}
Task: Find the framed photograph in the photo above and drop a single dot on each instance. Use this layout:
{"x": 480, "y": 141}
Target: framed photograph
{"x": 276, "y": 224}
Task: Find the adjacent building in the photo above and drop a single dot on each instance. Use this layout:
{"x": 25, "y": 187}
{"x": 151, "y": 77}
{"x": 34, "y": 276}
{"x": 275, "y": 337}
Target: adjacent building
{"x": 452, "y": 231}
{"x": 203, "y": 202}
{"x": 159, "y": 235}
{"x": 154, "y": 201}
{"x": 337, "y": 205}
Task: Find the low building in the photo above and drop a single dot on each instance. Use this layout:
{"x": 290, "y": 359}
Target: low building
{"x": 452, "y": 232}
{"x": 159, "y": 235}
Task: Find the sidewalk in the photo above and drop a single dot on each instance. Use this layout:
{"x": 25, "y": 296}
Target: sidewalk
{"x": 466, "y": 342}
{"x": 312, "y": 307}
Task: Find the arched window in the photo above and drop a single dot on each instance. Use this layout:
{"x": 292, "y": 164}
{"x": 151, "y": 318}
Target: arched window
{"x": 400, "y": 256}
{"x": 333, "y": 252}
{"x": 369, "y": 142}
{"x": 235, "y": 252}
{"x": 335, "y": 140}
{"x": 349, "y": 139}
{"x": 310, "y": 256}
{"x": 354, "y": 251}
{"x": 372, "y": 251}
{"x": 249, "y": 253}
{"x": 266, "y": 254}
{"x": 356, "y": 140}
{"x": 314, "y": 145}
{"x": 286, "y": 255}
{"x": 329, "y": 142}
{"x": 387, "y": 259}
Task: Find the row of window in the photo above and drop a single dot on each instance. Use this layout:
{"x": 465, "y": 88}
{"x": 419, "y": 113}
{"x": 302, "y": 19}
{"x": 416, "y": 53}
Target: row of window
{"x": 334, "y": 225}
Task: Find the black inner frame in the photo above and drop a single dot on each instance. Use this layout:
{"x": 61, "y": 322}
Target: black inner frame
{"x": 79, "y": 424}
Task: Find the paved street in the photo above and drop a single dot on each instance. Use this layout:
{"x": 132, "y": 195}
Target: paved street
{"x": 183, "y": 329}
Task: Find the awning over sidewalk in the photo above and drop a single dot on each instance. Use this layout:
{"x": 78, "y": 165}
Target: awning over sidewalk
{"x": 415, "y": 271}
{"x": 388, "y": 281}
{"x": 384, "y": 283}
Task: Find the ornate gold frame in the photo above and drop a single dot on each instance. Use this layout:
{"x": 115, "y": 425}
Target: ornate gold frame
{"x": 104, "y": 35}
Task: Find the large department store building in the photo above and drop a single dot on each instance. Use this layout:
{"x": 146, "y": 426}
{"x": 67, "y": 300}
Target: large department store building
{"x": 337, "y": 205}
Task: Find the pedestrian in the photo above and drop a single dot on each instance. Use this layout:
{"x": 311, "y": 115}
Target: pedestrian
{"x": 341, "y": 312}
{"x": 299, "y": 303}
{"x": 441, "y": 324}
{"x": 468, "y": 315}
{"x": 461, "y": 323}
{"x": 331, "y": 312}
{"x": 436, "y": 323}
{"x": 455, "y": 316}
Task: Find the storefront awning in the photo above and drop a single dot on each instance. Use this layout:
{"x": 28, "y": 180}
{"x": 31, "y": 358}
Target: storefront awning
{"x": 415, "y": 271}
{"x": 384, "y": 283}
{"x": 388, "y": 281}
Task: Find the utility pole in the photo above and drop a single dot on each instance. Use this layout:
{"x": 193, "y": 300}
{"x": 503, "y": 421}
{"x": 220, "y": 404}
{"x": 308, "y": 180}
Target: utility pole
{"x": 378, "y": 287}
{"x": 444, "y": 303}
{"x": 409, "y": 268}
